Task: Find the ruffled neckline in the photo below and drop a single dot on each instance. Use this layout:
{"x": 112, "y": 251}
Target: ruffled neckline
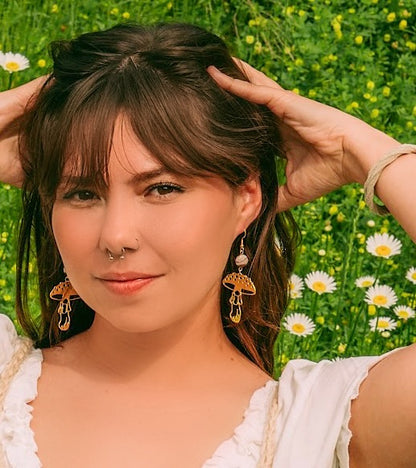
{"x": 19, "y": 438}
{"x": 246, "y": 441}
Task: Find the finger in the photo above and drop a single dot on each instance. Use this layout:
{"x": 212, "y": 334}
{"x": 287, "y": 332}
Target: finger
{"x": 271, "y": 97}
{"x": 255, "y": 76}
{"x": 17, "y": 98}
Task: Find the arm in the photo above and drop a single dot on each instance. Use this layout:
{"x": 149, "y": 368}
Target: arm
{"x": 12, "y": 107}
{"x": 327, "y": 148}
{"x": 383, "y": 419}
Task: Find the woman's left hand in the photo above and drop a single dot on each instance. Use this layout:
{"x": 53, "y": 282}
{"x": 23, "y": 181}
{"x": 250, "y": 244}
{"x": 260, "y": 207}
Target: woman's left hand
{"x": 325, "y": 147}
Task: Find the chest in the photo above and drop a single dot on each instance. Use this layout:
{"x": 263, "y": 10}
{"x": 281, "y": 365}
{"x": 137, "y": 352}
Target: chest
{"x": 99, "y": 428}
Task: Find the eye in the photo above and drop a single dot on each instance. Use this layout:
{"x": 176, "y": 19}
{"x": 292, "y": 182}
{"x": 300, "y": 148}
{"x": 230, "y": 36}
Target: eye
{"x": 80, "y": 196}
{"x": 164, "y": 190}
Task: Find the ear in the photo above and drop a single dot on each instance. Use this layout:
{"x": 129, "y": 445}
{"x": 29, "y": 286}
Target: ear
{"x": 248, "y": 200}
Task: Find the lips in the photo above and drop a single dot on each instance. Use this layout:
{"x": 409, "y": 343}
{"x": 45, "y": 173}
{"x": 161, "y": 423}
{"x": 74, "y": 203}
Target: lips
{"x": 126, "y": 283}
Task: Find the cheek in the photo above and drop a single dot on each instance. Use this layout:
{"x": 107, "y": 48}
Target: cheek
{"x": 196, "y": 239}
{"x": 73, "y": 234}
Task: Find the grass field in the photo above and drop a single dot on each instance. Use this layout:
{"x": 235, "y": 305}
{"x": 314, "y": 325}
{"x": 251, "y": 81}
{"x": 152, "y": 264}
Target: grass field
{"x": 359, "y": 56}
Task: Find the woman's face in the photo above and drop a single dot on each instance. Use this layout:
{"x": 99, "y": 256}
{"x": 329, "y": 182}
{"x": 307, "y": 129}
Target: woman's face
{"x": 176, "y": 231}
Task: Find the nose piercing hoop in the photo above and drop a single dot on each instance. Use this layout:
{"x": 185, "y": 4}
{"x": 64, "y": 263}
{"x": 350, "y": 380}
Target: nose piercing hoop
{"x": 112, "y": 257}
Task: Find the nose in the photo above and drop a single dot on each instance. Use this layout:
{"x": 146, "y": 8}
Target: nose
{"x": 119, "y": 229}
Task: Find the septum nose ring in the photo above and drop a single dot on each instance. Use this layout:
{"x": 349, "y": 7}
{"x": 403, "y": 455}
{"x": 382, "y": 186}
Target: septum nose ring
{"x": 113, "y": 257}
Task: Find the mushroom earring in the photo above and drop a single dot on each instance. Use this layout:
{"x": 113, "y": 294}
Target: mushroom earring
{"x": 239, "y": 284}
{"x": 64, "y": 293}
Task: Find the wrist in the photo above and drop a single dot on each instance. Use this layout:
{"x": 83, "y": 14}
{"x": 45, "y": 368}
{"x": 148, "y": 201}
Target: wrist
{"x": 363, "y": 148}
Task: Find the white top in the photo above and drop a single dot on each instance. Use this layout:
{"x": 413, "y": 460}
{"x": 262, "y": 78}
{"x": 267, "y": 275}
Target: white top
{"x": 311, "y": 428}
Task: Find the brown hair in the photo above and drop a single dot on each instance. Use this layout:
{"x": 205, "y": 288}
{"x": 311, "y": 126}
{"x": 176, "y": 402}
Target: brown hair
{"x": 155, "y": 76}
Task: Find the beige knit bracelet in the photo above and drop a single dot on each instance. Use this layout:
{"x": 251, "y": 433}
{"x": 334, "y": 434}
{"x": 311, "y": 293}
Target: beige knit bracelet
{"x": 375, "y": 172}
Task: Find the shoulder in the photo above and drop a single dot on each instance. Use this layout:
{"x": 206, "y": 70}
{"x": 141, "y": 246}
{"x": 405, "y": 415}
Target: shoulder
{"x": 383, "y": 419}
{"x": 315, "y": 402}
{"x": 9, "y": 340}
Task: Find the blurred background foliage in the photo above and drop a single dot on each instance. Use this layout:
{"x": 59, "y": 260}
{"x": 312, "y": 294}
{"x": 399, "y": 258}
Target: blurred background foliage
{"x": 357, "y": 55}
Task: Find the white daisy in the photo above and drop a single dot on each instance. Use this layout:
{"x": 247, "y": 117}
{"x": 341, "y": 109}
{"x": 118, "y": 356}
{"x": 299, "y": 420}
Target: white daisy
{"x": 382, "y": 324}
{"x": 404, "y": 312}
{"x": 365, "y": 281}
{"x": 381, "y": 296}
{"x": 299, "y": 324}
{"x": 295, "y": 286}
{"x": 13, "y": 62}
{"x": 320, "y": 282}
{"x": 383, "y": 245}
{"x": 411, "y": 274}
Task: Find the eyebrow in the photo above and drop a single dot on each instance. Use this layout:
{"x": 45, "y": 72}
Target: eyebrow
{"x": 136, "y": 179}
{"x": 148, "y": 175}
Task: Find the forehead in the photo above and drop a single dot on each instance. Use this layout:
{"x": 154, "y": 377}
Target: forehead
{"x": 128, "y": 151}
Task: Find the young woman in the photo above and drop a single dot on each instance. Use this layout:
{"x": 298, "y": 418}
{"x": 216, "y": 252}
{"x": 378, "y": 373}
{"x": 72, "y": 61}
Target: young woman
{"x": 163, "y": 252}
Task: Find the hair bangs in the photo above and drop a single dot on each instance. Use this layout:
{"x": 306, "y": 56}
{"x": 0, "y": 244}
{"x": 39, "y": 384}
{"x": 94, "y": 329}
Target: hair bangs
{"x": 169, "y": 116}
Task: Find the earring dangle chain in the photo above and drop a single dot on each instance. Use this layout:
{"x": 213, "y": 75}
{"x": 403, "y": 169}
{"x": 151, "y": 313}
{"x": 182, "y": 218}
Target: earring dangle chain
{"x": 64, "y": 293}
{"x": 239, "y": 284}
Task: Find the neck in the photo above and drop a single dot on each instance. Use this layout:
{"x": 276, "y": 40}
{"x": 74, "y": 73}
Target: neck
{"x": 180, "y": 353}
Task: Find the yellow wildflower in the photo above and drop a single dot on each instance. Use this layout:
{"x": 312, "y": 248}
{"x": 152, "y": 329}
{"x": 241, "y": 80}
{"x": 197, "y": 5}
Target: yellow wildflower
{"x": 341, "y": 348}
{"x": 370, "y": 85}
{"x": 403, "y": 24}
{"x": 340, "y": 217}
{"x": 250, "y": 39}
{"x": 411, "y": 45}
{"x": 358, "y": 40}
{"x": 126, "y": 15}
{"x": 333, "y": 209}
{"x": 375, "y": 113}
{"x": 386, "y": 91}
{"x": 391, "y": 17}
{"x": 258, "y": 47}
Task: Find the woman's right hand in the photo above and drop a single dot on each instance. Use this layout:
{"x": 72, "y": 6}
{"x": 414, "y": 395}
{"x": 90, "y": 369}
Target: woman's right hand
{"x": 12, "y": 107}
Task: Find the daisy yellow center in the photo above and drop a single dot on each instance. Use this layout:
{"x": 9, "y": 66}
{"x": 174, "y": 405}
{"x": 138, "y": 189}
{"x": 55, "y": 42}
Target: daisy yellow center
{"x": 414, "y": 275}
{"x": 291, "y": 285}
{"x": 403, "y": 314}
{"x": 380, "y": 300}
{"x": 298, "y": 327}
{"x": 12, "y": 66}
{"x": 366, "y": 283}
{"x": 382, "y": 324}
{"x": 319, "y": 286}
{"x": 383, "y": 250}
